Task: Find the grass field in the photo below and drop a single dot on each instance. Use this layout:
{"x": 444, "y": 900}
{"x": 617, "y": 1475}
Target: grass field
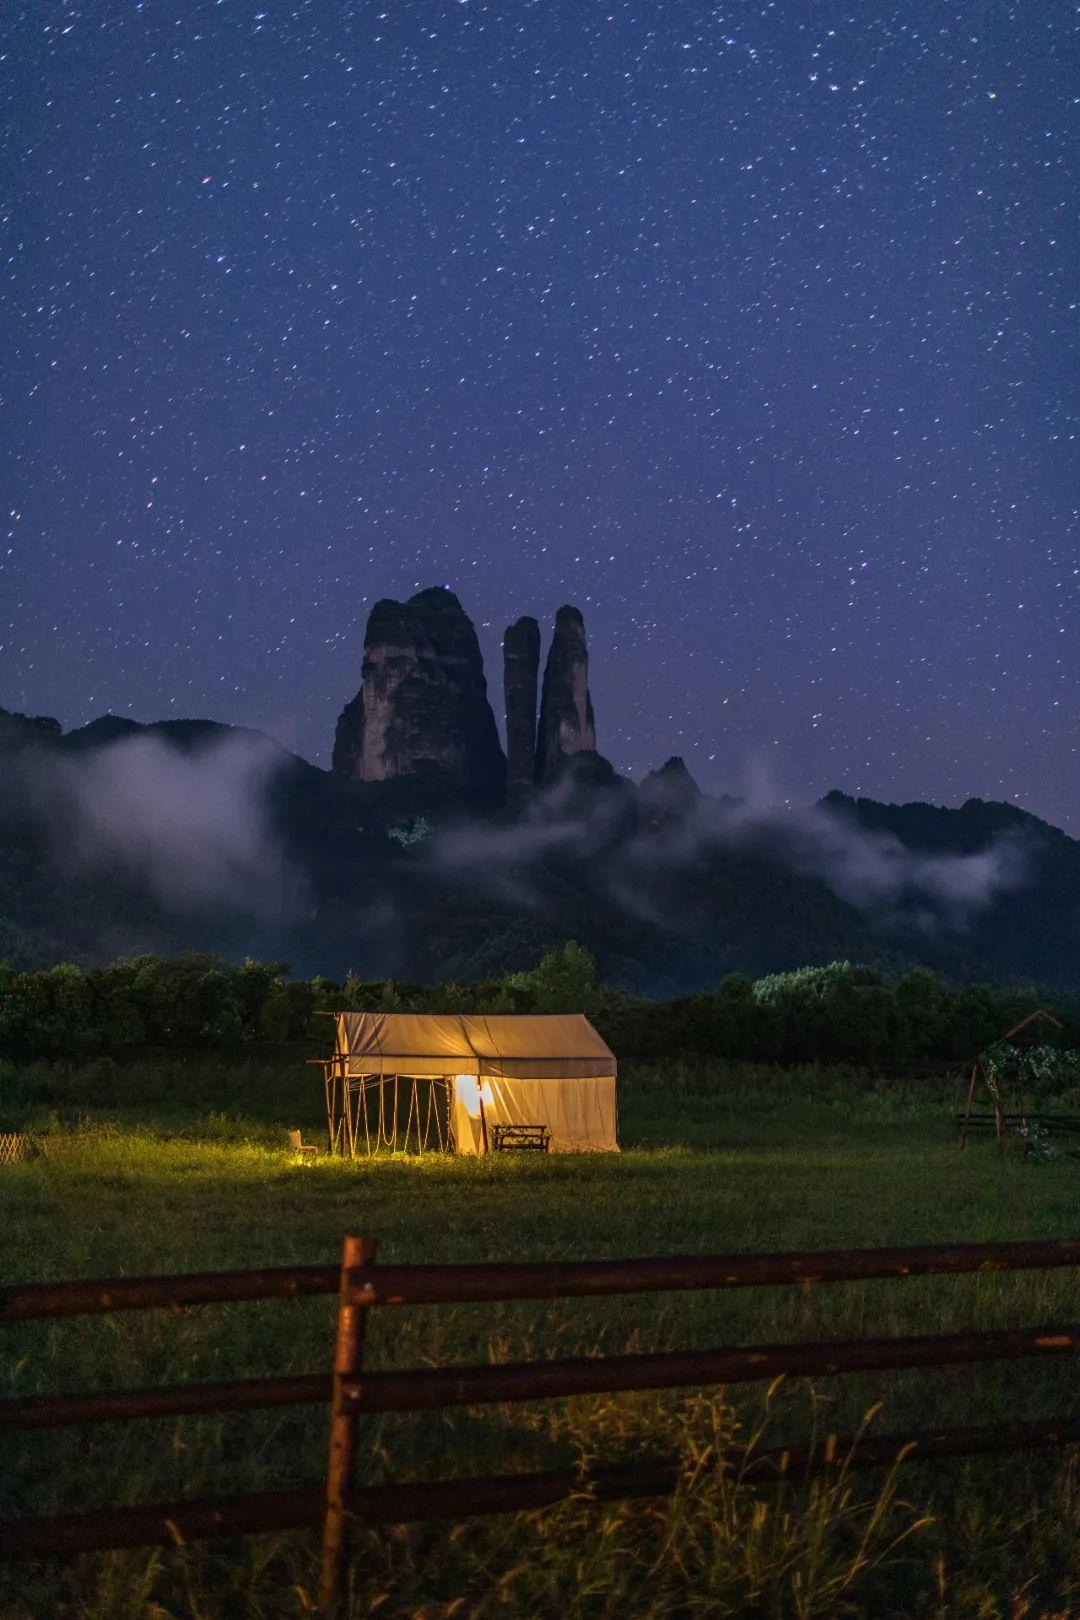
{"x": 182, "y": 1168}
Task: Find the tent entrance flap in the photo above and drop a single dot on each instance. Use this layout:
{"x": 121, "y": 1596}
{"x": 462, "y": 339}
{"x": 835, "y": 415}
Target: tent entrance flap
{"x": 419, "y": 1082}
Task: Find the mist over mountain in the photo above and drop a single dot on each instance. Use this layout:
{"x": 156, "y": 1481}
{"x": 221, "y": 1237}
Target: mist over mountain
{"x": 427, "y": 853}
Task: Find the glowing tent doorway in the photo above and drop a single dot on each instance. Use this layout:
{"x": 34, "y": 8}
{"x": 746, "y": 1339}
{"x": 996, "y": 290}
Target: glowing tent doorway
{"x": 431, "y": 1082}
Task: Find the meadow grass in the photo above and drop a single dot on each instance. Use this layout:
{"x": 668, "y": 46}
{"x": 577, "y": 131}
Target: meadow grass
{"x": 181, "y": 1166}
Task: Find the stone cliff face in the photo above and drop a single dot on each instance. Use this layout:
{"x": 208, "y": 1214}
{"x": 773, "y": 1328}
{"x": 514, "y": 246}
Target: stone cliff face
{"x": 669, "y": 795}
{"x": 345, "y": 760}
{"x": 521, "y": 679}
{"x": 422, "y": 710}
{"x": 566, "y": 726}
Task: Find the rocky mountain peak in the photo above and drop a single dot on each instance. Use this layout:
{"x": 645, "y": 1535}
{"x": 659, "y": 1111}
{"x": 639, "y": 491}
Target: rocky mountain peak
{"x": 521, "y": 677}
{"x": 422, "y": 713}
{"x": 567, "y": 725}
{"x": 668, "y": 794}
{"x": 422, "y": 710}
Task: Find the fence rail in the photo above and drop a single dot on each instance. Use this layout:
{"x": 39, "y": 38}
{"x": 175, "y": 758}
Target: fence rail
{"x": 277, "y": 1511}
{"x": 23, "y": 1302}
{"x": 167, "y": 1400}
{"x": 350, "y": 1392}
{"x": 488, "y": 1282}
{"x": 491, "y": 1281}
{"x": 432, "y": 1389}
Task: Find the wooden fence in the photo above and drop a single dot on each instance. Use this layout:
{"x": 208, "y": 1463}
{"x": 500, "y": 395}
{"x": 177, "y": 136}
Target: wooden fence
{"x": 349, "y": 1391}
{"x": 16, "y": 1145}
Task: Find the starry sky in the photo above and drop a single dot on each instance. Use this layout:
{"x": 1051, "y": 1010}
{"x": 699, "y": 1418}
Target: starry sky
{"x": 748, "y": 328}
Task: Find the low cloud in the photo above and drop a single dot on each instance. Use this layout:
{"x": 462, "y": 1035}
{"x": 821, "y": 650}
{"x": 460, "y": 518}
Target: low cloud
{"x": 191, "y": 823}
{"x": 872, "y": 870}
{"x": 875, "y": 870}
{"x": 555, "y": 820}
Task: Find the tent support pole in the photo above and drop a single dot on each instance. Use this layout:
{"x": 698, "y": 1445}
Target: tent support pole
{"x": 350, "y": 1103}
{"x": 445, "y": 1085}
{"x": 414, "y": 1106}
{"x": 483, "y": 1116}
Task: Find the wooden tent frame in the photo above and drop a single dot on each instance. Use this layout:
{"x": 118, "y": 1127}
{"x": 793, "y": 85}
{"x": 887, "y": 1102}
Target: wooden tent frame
{"x": 1001, "y": 1119}
{"x": 364, "y": 1112}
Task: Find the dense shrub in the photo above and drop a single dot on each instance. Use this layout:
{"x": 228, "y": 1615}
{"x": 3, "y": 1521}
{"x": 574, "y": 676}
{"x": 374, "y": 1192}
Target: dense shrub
{"x": 842, "y": 1013}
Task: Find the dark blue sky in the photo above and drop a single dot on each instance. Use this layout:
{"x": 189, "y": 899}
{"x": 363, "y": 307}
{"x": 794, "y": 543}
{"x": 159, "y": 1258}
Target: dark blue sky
{"x": 750, "y": 329}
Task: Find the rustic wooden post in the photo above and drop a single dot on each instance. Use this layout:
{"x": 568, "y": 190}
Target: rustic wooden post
{"x": 357, "y": 1252}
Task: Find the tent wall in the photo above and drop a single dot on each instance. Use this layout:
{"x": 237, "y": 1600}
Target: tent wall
{"x": 579, "y": 1113}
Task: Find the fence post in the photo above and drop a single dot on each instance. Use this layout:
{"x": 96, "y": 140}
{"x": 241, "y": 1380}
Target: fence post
{"x": 357, "y": 1252}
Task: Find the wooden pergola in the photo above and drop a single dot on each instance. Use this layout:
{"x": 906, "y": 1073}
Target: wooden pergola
{"x": 1002, "y": 1120}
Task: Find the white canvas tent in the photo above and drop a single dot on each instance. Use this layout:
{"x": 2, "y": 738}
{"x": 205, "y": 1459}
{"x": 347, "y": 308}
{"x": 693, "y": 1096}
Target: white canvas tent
{"x": 455, "y": 1080}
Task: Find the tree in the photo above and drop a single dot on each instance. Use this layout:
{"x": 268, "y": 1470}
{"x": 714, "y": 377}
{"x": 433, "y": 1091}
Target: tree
{"x": 275, "y": 1014}
{"x": 924, "y": 1010}
{"x": 564, "y": 980}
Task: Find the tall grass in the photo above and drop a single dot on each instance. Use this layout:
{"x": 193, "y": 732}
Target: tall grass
{"x": 184, "y": 1168}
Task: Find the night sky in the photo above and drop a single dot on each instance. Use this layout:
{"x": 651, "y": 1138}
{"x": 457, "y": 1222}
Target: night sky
{"x": 749, "y": 329}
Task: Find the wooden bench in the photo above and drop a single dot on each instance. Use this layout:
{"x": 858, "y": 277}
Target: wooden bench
{"x": 525, "y": 1138}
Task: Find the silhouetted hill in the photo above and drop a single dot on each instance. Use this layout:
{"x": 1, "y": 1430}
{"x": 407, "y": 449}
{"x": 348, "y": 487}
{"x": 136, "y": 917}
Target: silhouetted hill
{"x": 120, "y": 838}
{"x": 932, "y": 827}
{"x": 1027, "y": 931}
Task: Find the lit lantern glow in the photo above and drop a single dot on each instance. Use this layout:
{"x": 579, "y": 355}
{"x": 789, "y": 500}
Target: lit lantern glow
{"x": 471, "y": 1094}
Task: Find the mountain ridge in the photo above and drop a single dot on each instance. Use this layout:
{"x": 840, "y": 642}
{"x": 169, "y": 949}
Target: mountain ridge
{"x": 669, "y": 887}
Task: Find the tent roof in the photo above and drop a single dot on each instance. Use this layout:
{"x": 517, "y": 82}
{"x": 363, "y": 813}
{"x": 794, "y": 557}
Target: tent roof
{"x": 524, "y": 1046}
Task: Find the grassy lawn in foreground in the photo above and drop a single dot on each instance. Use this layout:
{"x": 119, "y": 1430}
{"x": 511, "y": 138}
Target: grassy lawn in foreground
{"x": 726, "y": 1159}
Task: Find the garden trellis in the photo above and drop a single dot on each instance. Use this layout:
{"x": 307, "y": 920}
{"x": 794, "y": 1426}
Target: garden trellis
{"x": 1008, "y": 1060}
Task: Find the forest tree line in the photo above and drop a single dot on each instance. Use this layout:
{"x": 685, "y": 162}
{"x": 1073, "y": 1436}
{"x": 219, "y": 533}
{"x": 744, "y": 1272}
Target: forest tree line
{"x": 840, "y": 1013}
